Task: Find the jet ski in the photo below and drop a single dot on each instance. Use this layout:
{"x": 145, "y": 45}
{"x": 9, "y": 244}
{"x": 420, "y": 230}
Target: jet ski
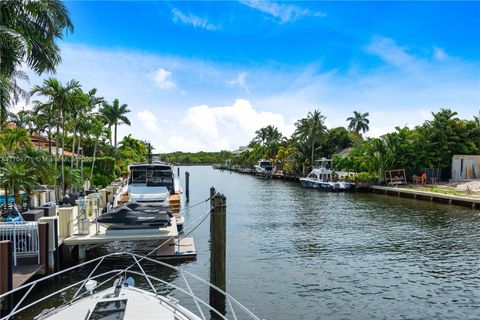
{"x": 136, "y": 216}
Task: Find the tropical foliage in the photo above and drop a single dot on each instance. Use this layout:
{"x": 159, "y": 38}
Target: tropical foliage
{"x": 430, "y": 145}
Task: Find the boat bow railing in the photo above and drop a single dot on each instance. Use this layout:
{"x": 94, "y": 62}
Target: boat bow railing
{"x": 232, "y": 305}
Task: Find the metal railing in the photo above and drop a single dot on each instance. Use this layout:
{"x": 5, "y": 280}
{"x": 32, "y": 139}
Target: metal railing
{"x": 24, "y": 238}
{"x": 234, "y": 308}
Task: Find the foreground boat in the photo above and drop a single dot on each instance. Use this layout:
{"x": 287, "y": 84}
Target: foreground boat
{"x": 112, "y": 294}
{"x": 324, "y": 178}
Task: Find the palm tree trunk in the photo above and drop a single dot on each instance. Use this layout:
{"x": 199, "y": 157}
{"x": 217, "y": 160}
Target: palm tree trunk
{"x": 73, "y": 148}
{"x": 16, "y": 195}
{"x": 115, "y": 141}
{"x": 78, "y": 148}
{"x": 57, "y": 196}
{"x": 63, "y": 153}
{"x": 50, "y": 140}
{"x": 81, "y": 173}
{"x": 94, "y": 153}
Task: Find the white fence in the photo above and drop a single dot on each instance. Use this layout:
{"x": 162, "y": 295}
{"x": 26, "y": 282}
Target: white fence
{"x": 24, "y": 238}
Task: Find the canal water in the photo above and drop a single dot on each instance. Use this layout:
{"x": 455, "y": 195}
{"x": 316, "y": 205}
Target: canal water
{"x": 296, "y": 253}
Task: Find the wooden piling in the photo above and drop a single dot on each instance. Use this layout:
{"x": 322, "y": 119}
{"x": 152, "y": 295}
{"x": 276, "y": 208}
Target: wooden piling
{"x": 6, "y": 276}
{"x": 43, "y": 241}
{"x": 218, "y": 252}
{"x": 56, "y": 257}
{"x": 187, "y": 185}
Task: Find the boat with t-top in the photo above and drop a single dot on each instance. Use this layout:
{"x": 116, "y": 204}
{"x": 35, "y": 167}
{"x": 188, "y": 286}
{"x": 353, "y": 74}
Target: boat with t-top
{"x": 264, "y": 168}
{"x": 325, "y": 178}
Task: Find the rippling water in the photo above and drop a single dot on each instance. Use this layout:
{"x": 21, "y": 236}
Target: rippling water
{"x": 295, "y": 253}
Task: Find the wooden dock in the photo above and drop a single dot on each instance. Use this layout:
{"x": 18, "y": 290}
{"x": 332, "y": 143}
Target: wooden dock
{"x": 23, "y": 273}
{"x": 427, "y": 195}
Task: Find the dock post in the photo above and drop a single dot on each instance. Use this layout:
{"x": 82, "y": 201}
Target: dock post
{"x": 43, "y": 240}
{"x": 6, "y": 276}
{"x": 187, "y": 185}
{"x": 56, "y": 257}
{"x": 218, "y": 253}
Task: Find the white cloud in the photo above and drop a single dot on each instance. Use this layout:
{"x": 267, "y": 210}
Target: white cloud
{"x": 388, "y": 50}
{"x": 208, "y": 118}
{"x": 283, "y": 12}
{"x": 439, "y": 54}
{"x": 230, "y": 126}
{"x": 162, "y": 77}
{"x": 149, "y": 121}
{"x": 192, "y": 20}
{"x": 241, "y": 81}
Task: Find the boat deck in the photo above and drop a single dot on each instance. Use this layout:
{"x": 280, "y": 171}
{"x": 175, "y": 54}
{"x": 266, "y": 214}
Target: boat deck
{"x": 106, "y": 235}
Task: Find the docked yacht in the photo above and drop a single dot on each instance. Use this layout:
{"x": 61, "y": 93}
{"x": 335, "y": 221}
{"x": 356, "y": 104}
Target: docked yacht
{"x": 119, "y": 297}
{"x": 153, "y": 183}
{"x": 263, "y": 168}
{"x": 324, "y": 178}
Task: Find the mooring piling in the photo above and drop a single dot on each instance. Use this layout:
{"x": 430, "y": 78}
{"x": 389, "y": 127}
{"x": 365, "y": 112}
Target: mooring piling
{"x": 187, "y": 185}
{"x": 6, "y": 276}
{"x": 217, "y": 252}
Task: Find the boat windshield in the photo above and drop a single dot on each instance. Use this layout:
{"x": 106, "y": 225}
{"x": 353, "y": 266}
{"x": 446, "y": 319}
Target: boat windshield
{"x": 139, "y": 176}
{"x": 159, "y": 178}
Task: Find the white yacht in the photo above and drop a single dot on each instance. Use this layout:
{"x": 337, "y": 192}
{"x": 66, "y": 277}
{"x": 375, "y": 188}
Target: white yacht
{"x": 153, "y": 183}
{"x": 118, "y": 297}
{"x": 324, "y": 178}
{"x": 263, "y": 168}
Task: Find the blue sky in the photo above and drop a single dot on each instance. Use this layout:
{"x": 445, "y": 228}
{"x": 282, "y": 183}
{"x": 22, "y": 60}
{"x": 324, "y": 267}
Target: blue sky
{"x": 206, "y": 75}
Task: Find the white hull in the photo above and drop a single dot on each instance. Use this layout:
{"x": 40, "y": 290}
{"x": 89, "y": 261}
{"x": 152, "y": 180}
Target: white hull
{"x": 326, "y": 185}
{"x": 132, "y": 303}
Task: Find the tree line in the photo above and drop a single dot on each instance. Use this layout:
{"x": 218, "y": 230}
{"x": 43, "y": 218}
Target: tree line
{"x": 73, "y": 119}
{"x": 430, "y": 145}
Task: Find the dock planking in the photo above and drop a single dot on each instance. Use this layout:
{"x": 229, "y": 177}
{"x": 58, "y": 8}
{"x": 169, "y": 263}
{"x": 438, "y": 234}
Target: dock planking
{"x": 23, "y": 273}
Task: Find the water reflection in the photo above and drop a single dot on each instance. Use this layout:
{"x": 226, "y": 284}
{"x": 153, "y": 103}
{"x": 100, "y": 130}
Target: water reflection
{"x": 295, "y": 253}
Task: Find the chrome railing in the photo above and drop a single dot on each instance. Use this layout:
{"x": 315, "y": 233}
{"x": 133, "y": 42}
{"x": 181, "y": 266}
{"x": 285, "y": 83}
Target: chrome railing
{"x": 24, "y": 238}
{"x": 235, "y": 309}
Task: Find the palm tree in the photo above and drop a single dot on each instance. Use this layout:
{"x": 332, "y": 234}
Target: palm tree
{"x": 310, "y": 129}
{"x": 260, "y": 136}
{"x": 476, "y": 119}
{"x": 23, "y": 119}
{"x": 47, "y": 118}
{"x": 97, "y": 128}
{"x": 16, "y": 177}
{"x": 28, "y": 33}
{"x": 359, "y": 122}
{"x": 84, "y": 121}
{"x": 15, "y": 139}
{"x": 63, "y": 99}
{"x": 116, "y": 115}
{"x": 10, "y": 92}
